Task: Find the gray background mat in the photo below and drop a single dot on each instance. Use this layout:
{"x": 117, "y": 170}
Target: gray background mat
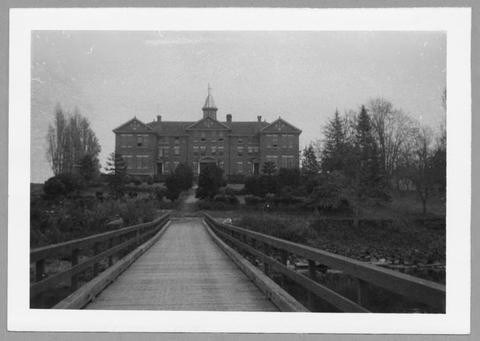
{"x": 475, "y": 237}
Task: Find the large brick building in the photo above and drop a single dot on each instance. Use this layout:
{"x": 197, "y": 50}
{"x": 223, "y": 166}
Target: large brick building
{"x": 239, "y": 148}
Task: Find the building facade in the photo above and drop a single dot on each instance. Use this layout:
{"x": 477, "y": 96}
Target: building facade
{"x": 239, "y": 148}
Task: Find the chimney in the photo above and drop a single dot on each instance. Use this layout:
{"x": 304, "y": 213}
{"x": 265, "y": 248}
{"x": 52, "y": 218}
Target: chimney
{"x": 229, "y": 118}
{"x": 259, "y": 118}
{"x": 159, "y": 118}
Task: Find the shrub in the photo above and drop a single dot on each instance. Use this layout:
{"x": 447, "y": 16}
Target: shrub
{"x": 150, "y": 180}
{"x": 173, "y": 185}
{"x": 136, "y": 180}
{"x": 62, "y": 184}
{"x": 226, "y": 198}
{"x": 214, "y": 205}
{"x": 287, "y": 177}
{"x": 236, "y": 178}
{"x": 253, "y": 200}
{"x": 209, "y": 181}
{"x": 184, "y": 176}
{"x": 54, "y": 187}
{"x": 160, "y": 193}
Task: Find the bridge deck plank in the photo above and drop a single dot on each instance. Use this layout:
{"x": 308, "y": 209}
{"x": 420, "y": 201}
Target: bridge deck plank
{"x": 184, "y": 270}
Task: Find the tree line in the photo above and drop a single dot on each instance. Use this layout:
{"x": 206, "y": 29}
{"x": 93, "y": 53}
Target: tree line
{"x": 369, "y": 153}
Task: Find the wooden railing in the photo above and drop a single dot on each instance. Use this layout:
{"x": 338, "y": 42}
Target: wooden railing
{"x": 274, "y": 252}
{"x": 99, "y": 246}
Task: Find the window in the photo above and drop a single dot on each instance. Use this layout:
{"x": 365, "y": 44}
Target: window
{"x": 128, "y": 161}
{"x": 220, "y": 150}
{"x": 143, "y": 162}
{"x": 284, "y": 141}
{"x": 195, "y": 150}
{"x": 291, "y": 139}
{"x": 221, "y": 164}
{"x": 195, "y": 167}
{"x": 239, "y": 141}
{"x": 240, "y": 150}
{"x": 175, "y": 164}
{"x": 290, "y": 161}
{"x": 176, "y": 150}
{"x": 125, "y": 140}
{"x": 177, "y": 140}
{"x": 160, "y": 152}
{"x": 274, "y": 141}
{"x": 239, "y": 167}
{"x": 203, "y": 149}
{"x": 213, "y": 149}
{"x": 139, "y": 141}
{"x": 252, "y": 149}
{"x": 269, "y": 138}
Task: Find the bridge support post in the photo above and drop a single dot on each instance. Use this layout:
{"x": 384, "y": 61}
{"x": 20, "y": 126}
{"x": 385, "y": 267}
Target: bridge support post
{"x": 74, "y": 261}
{"x": 312, "y": 272}
{"x": 362, "y": 288}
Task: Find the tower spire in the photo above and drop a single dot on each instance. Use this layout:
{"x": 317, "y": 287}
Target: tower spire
{"x": 209, "y": 108}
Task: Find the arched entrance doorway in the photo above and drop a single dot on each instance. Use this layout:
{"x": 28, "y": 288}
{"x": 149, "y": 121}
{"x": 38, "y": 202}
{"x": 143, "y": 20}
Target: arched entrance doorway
{"x": 208, "y": 160}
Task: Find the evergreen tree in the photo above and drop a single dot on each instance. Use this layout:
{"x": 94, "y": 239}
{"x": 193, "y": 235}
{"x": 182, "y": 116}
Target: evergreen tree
{"x": 209, "y": 181}
{"x": 310, "y": 164}
{"x": 364, "y": 168}
{"x": 89, "y": 167}
{"x": 117, "y": 170}
{"x": 334, "y": 152}
{"x": 185, "y": 176}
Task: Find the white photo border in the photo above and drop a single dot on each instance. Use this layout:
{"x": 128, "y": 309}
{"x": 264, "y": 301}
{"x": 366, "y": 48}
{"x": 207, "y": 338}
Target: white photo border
{"x": 456, "y": 22}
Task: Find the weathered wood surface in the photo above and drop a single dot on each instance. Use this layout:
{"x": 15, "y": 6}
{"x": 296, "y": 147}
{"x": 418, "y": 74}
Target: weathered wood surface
{"x": 184, "y": 270}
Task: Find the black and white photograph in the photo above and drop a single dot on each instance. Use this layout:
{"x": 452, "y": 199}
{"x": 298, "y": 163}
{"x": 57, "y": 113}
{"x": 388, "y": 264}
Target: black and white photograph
{"x": 248, "y": 170}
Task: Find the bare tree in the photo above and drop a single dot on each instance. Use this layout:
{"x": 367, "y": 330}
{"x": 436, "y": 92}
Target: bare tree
{"x": 70, "y": 138}
{"x": 421, "y": 168}
{"x": 392, "y": 128}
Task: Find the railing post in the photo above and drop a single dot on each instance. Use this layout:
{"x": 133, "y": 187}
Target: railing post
{"x": 266, "y": 266}
{"x": 312, "y": 272}
{"x": 74, "y": 261}
{"x": 39, "y": 269}
{"x": 110, "y": 258}
{"x": 96, "y": 266}
{"x": 362, "y": 288}
{"x": 284, "y": 261}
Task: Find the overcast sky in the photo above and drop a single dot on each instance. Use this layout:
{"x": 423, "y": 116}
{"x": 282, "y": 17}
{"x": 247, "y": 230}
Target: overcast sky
{"x": 301, "y": 76}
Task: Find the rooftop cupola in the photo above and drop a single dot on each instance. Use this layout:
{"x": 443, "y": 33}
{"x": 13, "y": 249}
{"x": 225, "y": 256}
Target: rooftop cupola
{"x": 209, "y": 108}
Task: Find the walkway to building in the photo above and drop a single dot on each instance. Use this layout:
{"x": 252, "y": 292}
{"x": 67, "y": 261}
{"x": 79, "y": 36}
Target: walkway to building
{"x": 184, "y": 270}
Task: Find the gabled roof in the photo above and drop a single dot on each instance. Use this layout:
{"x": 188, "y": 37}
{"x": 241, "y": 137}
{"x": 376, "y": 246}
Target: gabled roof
{"x": 280, "y": 125}
{"x": 208, "y": 123}
{"x": 246, "y": 128}
{"x": 170, "y": 128}
{"x": 133, "y": 125}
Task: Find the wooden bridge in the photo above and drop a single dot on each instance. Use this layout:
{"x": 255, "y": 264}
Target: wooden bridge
{"x": 199, "y": 263}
